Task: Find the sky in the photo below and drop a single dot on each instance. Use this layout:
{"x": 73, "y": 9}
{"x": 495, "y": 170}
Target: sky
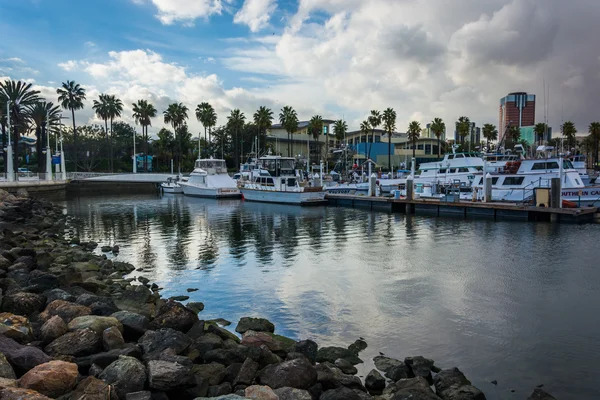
{"x": 335, "y": 58}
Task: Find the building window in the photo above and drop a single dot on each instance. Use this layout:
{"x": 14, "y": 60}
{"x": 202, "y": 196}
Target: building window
{"x": 427, "y": 149}
{"x": 363, "y": 139}
{"x": 420, "y": 147}
{"x": 513, "y": 180}
{"x": 377, "y": 138}
{"x": 349, "y": 141}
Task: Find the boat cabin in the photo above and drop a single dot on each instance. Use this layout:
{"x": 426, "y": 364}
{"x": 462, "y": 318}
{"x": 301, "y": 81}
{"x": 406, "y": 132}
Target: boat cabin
{"x": 277, "y": 166}
{"x": 211, "y": 166}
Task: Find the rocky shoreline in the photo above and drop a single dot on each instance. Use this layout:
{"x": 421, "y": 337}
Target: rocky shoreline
{"x": 72, "y": 327}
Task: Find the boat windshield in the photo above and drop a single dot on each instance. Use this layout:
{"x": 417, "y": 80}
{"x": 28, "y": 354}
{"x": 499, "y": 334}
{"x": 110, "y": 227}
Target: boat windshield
{"x": 218, "y": 165}
{"x": 278, "y": 166}
{"x": 567, "y": 164}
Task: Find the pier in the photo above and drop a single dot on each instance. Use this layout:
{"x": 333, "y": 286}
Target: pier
{"x": 493, "y": 211}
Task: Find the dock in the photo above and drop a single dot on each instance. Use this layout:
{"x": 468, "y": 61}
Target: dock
{"x": 494, "y": 211}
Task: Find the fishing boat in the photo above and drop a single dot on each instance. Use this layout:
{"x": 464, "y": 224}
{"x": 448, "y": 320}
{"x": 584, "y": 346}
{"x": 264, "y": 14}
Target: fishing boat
{"x": 210, "y": 179}
{"x": 274, "y": 180}
{"x": 171, "y": 186}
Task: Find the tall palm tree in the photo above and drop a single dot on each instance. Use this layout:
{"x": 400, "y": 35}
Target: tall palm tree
{"x": 143, "y": 112}
{"x": 114, "y": 109}
{"x": 413, "y": 133}
{"x": 71, "y": 96}
{"x": 100, "y": 107}
{"x": 288, "y": 118}
{"x": 365, "y": 127}
{"x": 594, "y": 130}
{"x": 490, "y": 133}
{"x": 206, "y": 115}
{"x": 263, "y": 119}
{"x": 389, "y": 125}
{"x": 568, "y": 130}
{"x": 515, "y": 134}
{"x": 463, "y": 127}
{"x": 176, "y": 114}
{"x": 20, "y": 96}
{"x": 374, "y": 121}
{"x": 340, "y": 127}
{"x": 235, "y": 122}
{"x": 42, "y": 116}
{"x": 316, "y": 128}
{"x": 438, "y": 127}
{"x": 540, "y": 130}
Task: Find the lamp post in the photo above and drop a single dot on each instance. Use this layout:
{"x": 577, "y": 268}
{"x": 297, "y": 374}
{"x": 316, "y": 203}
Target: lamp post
{"x": 9, "y": 161}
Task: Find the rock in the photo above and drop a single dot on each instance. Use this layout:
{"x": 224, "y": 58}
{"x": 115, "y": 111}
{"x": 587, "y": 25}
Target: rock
{"x": 12, "y": 393}
{"x": 197, "y": 330}
{"x": 52, "y": 379}
{"x": 222, "y": 332}
{"x": 64, "y": 309}
{"x": 58, "y": 294}
{"x": 143, "y": 280}
{"x": 288, "y": 393}
{"x": 52, "y": 329}
{"x": 15, "y": 327}
{"x": 251, "y": 338}
{"x": 254, "y": 324}
{"x": 6, "y": 370}
{"x": 225, "y": 397}
{"x": 232, "y": 371}
{"x": 104, "y": 359}
{"x": 189, "y": 290}
{"x": 195, "y": 306}
{"x": 298, "y": 374}
{"x": 22, "y": 358}
{"x": 420, "y": 366}
{"x": 23, "y": 303}
{"x": 112, "y": 338}
{"x": 207, "y": 342}
{"x": 466, "y": 392}
{"x": 219, "y": 390}
{"x": 41, "y": 281}
{"x": 260, "y": 393}
{"x": 134, "y": 325}
{"x": 397, "y": 372}
{"x": 136, "y": 299}
{"x": 179, "y": 298}
{"x": 384, "y": 364}
{"x": 5, "y": 382}
{"x": 127, "y": 375}
{"x": 345, "y": 366}
{"x": 374, "y": 382}
{"x": 92, "y": 389}
{"x": 247, "y": 373}
{"x": 78, "y": 343}
{"x": 448, "y": 378}
{"x": 142, "y": 395}
{"x": 332, "y": 353}
{"x": 308, "y": 348}
{"x": 154, "y": 342}
{"x": 539, "y": 394}
{"x": 413, "y": 388}
{"x": 91, "y": 245}
{"x": 350, "y": 381}
{"x": 95, "y": 370}
{"x": 224, "y": 356}
{"x": 358, "y": 346}
{"x": 214, "y": 373}
{"x": 175, "y": 316}
{"x": 106, "y": 249}
{"x": 341, "y": 393}
{"x": 94, "y": 322}
{"x": 22, "y": 193}
{"x": 221, "y": 322}
{"x": 165, "y": 375}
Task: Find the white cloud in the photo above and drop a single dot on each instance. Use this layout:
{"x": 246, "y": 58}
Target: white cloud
{"x": 185, "y": 11}
{"x": 68, "y": 65}
{"x": 255, "y": 13}
{"x": 90, "y": 44}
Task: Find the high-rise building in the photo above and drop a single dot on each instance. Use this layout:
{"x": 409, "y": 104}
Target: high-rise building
{"x": 516, "y": 109}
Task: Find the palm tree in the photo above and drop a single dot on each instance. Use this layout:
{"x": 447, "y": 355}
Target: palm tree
{"x": 490, "y": 133}
{"x": 235, "y": 122}
{"x": 19, "y": 95}
{"x": 340, "y": 127}
{"x": 365, "y": 127}
{"x": 114, "y": 109}
{"x": 143, "y": 112}
{"x": 463, "y": 127}
{"x": 540, "y": 130}
{"x": 176, "y": 114}
{"x": 413, "y": 133}
{"x": 594, "y": 130}
{"x": 289, "y": 120}
{"x": 41, "y": 116}
{"x": 316, "y": 128}
{"x": 263, "y": 119}
{"x": 389, "y": 125}
{"x": 100, "y": 107}
{"x": 515, "y": 134}
{"x": 374, "y": 121}
{"x": 438, "y": 127}
{"x": 71, "y": 97}
{"x": 568, "y": 130}
{"x": 206, "y": 115}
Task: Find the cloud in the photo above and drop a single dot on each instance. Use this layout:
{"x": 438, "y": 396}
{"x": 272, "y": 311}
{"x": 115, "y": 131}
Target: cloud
{"x": 90, "y": 44}
{"x": 68, "y": 65}
{"x": 255, "y": 13}
{"x": 185, "y": 11}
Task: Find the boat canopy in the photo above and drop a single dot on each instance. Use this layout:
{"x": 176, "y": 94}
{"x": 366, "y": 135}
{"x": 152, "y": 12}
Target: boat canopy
{"x": 212, "y": 166}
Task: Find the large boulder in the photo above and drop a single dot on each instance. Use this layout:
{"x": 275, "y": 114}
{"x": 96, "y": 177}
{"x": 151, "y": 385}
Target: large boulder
{"x": 16, "y": 327}
{"x": 94, "y": 322}
{"x": 137, "y": 299}
{"x": 40, "y": 281}
{"x": 13, "y": 393}
{"x": 155, "y": 342}
{"x": 23, "y": 303}
{"x": 93, "y": 389}
{"x": 345, "y": 366}
{"x": 52, "y": 379}
{"x": 341, "y": 393}
{"x": 213, "y": 372}
{"x": 384, "y": 364}
{"x": 112, "y": 338}
{"x": 539, "y": 394}
{"x": 58, "y": 294}
{"x": 127, "y": 375}
{"x": 258, "y": 392}
{"x": 247, "y": 373}
{"x": 420, "y": 366}
{"x": 413, "y": 389}
{"x": 225, "y": 356}
{"x": 254, "y": 324}
{"x": 174, "y": 315}
{"x": 52, "y": 329}
{"x": 399, "y": 371}
{"x": 374, "y": 382}
{"x": 21, "y": 357}
{"x": 332, "y": 353}
{"x": 288, "y": 393}
{"x": 298, "y": 373}
{"x": 252, "y": 338}
{"x": 452, "y": 384}
{"x": 64, "y": 309}
{"x": 134, "y": 325}
{"x": 308, "y": 348}
{"x": 104, "y": 359}
{"x": 6, "y": 370}
{"x": 165, "y": 375}
{"x": 78, "y": 343}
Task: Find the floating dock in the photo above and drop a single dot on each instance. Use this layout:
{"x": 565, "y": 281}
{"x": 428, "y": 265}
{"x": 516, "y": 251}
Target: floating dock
{"x": 493, "y": 211}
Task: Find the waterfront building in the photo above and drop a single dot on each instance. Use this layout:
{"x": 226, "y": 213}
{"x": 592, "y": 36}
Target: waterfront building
{"x": 302, "y": 142}
{"x": 472, "y": 140}
{"x": 517, "y": 108}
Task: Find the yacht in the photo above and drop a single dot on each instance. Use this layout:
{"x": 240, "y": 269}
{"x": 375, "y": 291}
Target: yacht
{"x": 210, "y": 179}
{"x": 171, "y": 186}
{"x": 579, "y": 162}
{"x": 274, "y": 180}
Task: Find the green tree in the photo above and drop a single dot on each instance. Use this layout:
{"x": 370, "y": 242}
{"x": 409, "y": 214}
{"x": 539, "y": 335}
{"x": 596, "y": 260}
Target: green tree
{"x": 206, "y": 115}
{"x": 315, "y": 127}
{"x": 515, "y": 134}
{"x": 288, "y": 118}
{"x": 540, "y": 130}
{"x": 568, "y": 131}
{"x": 123, "y": 137}
{"x": 42, "y": 116}
{"x": 438, "y": 127}
{"x": 235, "y": 123}
{"x": 340, "y": 127}
{"x": 365, "y": 128}
{"x": 71, "y": 96}
{"x": 114, "y": 109}
{"x": 463, "y": 127}
{"x": 175, "y": 115}
{"x": 374, "y": 121}
{"x": 594, "y": 130}
{"x": 165, "y": 146}
{"x": 413, "y": 133}
{"x": 100, "y": 107}
{"x": 389, "y": 125}
{"x": 143, "y": 112}
{"x": 490, "y": 133}
{"x": 263, "y": 119}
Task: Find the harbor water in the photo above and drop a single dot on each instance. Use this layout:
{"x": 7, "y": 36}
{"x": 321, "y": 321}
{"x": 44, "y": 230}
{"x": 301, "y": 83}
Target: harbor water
{"x": 506, "y": 301}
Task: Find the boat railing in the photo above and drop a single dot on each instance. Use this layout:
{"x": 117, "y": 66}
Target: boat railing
{"x": 529, "y": 190}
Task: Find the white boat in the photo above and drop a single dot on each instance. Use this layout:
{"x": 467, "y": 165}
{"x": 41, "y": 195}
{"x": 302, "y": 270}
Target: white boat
{"x": 171, "y": 186}
{"x": 210, "y": 179}
{"x": 275, "y": 181}
{"x": 579, "y": 162}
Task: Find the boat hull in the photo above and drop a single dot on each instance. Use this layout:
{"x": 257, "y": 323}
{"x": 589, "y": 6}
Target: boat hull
{"x": 282, "y": 197}
{"x": 172, "y": 189}
{"x": 214, "y": 193}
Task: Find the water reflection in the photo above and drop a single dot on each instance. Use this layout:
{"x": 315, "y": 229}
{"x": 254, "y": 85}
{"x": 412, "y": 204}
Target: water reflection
{"x": 505, "y": 301}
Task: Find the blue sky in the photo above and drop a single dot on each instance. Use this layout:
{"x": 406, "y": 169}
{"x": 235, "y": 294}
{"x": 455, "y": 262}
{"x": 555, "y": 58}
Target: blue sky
{"x": 336, "y": 58}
